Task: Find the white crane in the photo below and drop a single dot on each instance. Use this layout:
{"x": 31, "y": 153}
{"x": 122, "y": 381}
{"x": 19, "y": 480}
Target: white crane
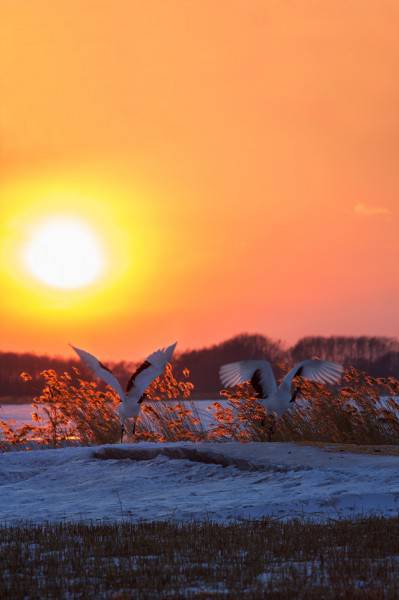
{"x": 277, "y": 399}
{"x": 144, "y": 375}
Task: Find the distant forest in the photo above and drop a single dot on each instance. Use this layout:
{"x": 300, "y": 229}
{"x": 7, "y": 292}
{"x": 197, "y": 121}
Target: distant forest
{"x": 379, "y": 356}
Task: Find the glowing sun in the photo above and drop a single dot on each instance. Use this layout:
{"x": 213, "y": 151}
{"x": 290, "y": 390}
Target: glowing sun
{"x": 64, "y": 253}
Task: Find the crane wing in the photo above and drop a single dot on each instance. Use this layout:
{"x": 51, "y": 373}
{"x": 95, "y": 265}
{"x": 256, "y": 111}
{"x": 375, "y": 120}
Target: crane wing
{"x": 150, "y": 369}
{"x": 322, "y": 371}
{"x": 258, "y": 372}
{"x": 100, "y": 370}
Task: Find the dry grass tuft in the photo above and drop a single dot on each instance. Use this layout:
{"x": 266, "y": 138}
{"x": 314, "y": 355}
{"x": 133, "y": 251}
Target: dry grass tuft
{"x": 363, "y": 410}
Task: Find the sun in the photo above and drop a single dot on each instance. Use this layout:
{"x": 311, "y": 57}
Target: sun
{"x": 64, "y": 253}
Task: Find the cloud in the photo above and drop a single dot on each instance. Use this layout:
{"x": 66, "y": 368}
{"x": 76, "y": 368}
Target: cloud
{"x": 370, "y": 211}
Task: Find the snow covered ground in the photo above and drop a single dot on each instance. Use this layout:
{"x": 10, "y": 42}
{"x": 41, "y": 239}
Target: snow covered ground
{"x": 182, "y": 481}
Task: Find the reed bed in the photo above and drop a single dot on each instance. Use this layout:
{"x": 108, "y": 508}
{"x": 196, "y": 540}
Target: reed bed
{"x": 362, "y": 410}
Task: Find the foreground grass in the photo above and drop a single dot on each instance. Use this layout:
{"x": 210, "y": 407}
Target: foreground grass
{"x": 256, "y": 559}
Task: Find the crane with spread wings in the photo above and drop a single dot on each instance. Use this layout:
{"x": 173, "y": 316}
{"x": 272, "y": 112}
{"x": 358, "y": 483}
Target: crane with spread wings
{"x": 143, "y": 376}
{"x": 278, "y": 398}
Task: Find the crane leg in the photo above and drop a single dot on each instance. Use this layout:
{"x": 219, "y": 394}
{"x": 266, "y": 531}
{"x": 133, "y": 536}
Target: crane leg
{"x": 270, "y": 431}
{"x": 122, "y": 432}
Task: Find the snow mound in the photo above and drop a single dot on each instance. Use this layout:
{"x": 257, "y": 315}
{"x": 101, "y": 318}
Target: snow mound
{"x": 176, "y": 453}
{"x": 185, "y": 481}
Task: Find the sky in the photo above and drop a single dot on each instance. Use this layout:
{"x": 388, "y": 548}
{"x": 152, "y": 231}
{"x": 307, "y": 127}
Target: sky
{"x": 236, "y": 164}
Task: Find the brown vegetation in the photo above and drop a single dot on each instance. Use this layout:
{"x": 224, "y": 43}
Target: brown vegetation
{"x": 70, "y": 408}
{"x": 255, "y": 559}
{"x": 363, "y": 410}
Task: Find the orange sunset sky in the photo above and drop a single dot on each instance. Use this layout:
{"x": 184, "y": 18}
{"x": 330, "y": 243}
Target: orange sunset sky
{"x": 235, "y": 162}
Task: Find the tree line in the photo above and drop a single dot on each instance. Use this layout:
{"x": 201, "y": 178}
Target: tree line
{"x": 379, "y": 356}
